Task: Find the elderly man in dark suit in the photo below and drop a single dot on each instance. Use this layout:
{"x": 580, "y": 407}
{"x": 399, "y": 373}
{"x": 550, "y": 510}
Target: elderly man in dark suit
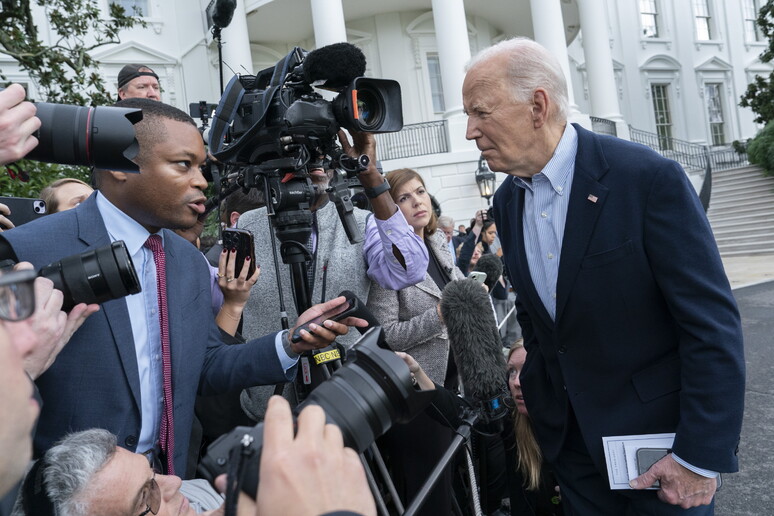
{"x": 135, "y": 367}
{"x": 628, "y": 319}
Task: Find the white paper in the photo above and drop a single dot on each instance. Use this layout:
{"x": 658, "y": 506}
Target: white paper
{"x": 621, "y": 455}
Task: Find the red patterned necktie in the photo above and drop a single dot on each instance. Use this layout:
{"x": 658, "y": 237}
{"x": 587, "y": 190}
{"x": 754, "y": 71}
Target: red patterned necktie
{"x": 167, "y": 430}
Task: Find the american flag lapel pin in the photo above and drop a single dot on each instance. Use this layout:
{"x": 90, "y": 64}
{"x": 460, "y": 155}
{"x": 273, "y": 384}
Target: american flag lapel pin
{"x": 592, "y": 198}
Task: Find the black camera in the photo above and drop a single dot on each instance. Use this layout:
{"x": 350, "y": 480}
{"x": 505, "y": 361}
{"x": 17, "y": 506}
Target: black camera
{"x": 101, "y": 137}
{"x": 364, "y": 399}
{"x": 95, "y": 276}
{"x": 272, "y": 129}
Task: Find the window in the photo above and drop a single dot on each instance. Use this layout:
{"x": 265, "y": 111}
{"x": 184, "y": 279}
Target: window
{"x": 751, "y": 30}
{"x": 701, "y": 13}
{"x": 712, "y": 93}
{"x": 663, "y": 115}
{"x": 649, "y": 18}
{"x": 133, "y": 7}
{"x": 436, "y": 85}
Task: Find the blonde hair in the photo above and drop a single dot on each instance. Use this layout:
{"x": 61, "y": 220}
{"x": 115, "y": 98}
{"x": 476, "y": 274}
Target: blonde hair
{"x": 530, "y": 458}
{"x": 48, "y": 194}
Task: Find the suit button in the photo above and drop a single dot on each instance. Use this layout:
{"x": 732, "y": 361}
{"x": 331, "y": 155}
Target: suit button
{"x": 131, "y": 441}
{"x": 562, "y": 350}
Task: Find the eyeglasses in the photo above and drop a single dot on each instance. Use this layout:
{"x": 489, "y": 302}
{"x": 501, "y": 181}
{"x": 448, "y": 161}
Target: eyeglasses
{"x": 17, "y": 294}
{"x": 152, "y": 499}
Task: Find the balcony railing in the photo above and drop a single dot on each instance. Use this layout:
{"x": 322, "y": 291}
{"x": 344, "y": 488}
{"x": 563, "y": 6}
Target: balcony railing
{"x": 414, "y": 140}
{"x": 692, "y": 156}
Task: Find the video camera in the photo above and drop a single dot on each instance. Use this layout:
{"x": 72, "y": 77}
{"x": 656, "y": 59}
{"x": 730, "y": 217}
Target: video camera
{"x": 270, "y": 128}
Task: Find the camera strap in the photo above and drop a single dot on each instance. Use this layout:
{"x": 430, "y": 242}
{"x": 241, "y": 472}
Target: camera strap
{"x": 224, "y": 113}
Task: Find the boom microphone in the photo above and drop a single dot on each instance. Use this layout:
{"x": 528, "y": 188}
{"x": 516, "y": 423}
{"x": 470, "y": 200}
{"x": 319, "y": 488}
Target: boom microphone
{"x": 475, "y": 342}
{"x": 220, "y": 12}
{"x": 492, "y": 266}
{"x": 337, "y": 65}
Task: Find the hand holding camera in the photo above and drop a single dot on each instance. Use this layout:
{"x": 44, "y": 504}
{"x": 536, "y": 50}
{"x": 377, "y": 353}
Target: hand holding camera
{"x": 17, "y": 124}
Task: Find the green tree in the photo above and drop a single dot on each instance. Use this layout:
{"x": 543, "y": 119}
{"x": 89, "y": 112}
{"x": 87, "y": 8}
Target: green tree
{"x": 63, "y": 70}
{"x": 760, "y": 93}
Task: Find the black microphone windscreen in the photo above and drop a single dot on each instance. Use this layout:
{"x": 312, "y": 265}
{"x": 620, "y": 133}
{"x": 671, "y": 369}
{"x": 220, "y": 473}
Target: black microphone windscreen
{"x": 221, "y": 12}
{"x": 337, "y": 64}
{"x": 492, "y": 266}
{"x": 474, "y": 339}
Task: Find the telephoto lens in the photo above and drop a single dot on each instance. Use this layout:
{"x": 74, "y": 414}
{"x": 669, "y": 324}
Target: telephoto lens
{"x": 101, "y": 137}
{"x": 364, "y": 399}
{"x": 95, "y": 276}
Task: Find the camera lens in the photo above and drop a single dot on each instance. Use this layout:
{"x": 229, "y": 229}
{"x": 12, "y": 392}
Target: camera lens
{"x": 370, "y": 108}
{"x": 364, "y": 399}
{"x": 95, "y": 276}
{"x": 102, "y": 137}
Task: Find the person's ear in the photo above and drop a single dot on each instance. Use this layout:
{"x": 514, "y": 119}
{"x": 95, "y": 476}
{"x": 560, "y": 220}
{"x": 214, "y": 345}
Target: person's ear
{"x": 540, "y": 105}
{"x": 233, "y": 218}
{"x": 116, "y": 175}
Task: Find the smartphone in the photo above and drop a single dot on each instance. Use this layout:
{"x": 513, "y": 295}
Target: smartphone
{"x": 242, "y": 241}
{"x": 646, "y": 457}
{"x": 340, "y": 312}
{"x": 23, "y": 209}
{"x": 477, "y": 276}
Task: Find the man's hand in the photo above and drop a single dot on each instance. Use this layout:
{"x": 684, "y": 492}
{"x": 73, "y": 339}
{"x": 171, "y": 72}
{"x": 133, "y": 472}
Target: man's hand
{"x": 4, "y": 222}
{"x": 679, "y": 486}
{"x": 17, "y": 123}
{"x": 322, "y": 334}
{"x": 304, "y": 475}
{"x": 48, "y": 329}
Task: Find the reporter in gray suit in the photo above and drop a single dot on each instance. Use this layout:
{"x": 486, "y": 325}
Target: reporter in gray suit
{"x": 110, "y": 375}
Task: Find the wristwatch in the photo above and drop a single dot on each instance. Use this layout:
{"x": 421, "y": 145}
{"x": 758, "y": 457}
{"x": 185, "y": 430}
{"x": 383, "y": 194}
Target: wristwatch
{"x": 373, "y": 193}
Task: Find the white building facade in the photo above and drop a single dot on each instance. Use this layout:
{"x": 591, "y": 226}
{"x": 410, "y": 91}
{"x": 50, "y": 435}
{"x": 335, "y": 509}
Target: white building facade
{"x": 672, "y": 67}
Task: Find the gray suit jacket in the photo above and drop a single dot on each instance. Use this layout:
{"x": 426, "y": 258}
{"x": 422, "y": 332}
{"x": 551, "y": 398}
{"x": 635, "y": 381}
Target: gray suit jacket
{"x": 339, "y": 262}
{"x": 410, "y": 319}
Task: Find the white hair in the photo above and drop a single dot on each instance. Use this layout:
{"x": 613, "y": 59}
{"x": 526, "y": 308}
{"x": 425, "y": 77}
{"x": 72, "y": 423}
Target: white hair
{"x": 445, "y": 221}
{"x": 71, "y": 466}
{"x": 529, "y": 66}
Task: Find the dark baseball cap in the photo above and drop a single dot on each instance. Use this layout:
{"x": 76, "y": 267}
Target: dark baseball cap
{"x": 132, "y": 71}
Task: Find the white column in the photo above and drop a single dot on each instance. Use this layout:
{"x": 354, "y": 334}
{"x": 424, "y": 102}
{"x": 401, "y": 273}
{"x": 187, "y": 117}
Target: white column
{"x": 603, "y": 93}
{"x": 548, "y": 27}
{"x": 328, "y": 21}
{"x": 236, "y": 45}
{"x": 451, "y": 35}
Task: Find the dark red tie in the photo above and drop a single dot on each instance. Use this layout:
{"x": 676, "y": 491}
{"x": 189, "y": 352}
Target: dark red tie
{"x": 167, "y": 430}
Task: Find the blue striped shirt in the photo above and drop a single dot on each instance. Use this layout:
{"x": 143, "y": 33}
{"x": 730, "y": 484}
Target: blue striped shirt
{"x": 546, "y": 199}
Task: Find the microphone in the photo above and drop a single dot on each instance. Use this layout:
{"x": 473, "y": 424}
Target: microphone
{"x": 492, "y": 266}
{"x": 475, "y": 342}
{"x": 337, "y": 65}
{"x": 220, "y": 12}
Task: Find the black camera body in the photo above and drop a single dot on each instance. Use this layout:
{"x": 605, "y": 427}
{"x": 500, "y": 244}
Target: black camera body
{"x": 270, "y": 128}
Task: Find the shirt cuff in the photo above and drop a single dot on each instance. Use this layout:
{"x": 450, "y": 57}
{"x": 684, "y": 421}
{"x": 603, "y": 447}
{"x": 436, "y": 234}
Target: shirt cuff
{"x": 285, "y": 360}
{"x": 703, "y": 472}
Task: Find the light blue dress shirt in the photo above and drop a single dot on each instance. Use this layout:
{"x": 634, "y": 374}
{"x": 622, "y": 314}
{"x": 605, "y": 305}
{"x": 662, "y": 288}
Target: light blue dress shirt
{"x": 144, "y": 317}
{"x": 546, "y": 199}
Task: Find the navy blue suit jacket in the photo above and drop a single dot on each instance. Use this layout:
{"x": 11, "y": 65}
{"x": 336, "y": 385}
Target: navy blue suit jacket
{"x": 647, "y": 336}
{"x": 94, "y": 381}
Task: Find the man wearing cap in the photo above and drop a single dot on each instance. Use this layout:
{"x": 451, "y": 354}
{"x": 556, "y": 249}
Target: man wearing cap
{"x": 138, "y": 81}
